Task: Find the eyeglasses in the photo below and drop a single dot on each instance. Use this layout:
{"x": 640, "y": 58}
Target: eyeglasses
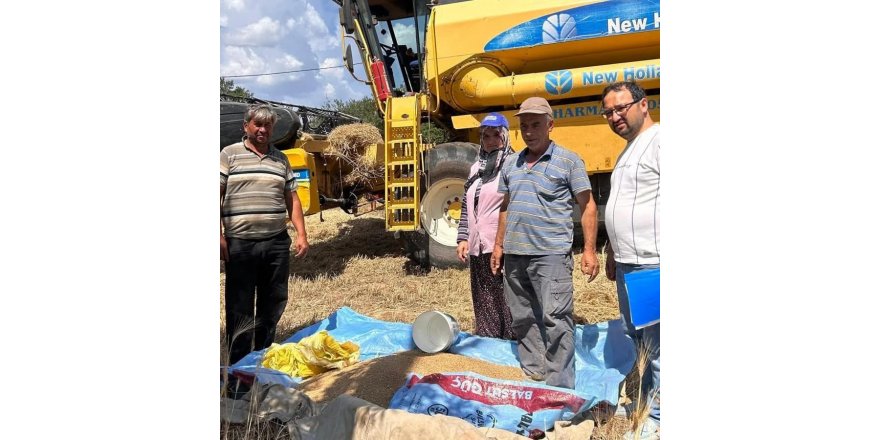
{"x": 620, "y": 109}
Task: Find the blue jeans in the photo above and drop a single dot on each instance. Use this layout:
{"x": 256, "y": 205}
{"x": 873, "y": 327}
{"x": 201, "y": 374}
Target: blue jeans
{"x": 651, "y": 335}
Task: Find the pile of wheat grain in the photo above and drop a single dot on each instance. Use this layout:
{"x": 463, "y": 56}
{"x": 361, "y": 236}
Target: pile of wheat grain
{"x": 376, "y": 380}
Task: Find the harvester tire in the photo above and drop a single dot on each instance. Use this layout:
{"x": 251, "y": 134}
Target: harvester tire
{"x": 446, "y": 169}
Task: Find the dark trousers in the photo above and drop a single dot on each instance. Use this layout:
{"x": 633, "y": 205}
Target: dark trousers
{"x": 256, "y": 275}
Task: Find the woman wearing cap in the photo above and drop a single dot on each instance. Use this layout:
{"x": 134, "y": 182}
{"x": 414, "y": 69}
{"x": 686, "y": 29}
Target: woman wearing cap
{"x": 479, "y": 223}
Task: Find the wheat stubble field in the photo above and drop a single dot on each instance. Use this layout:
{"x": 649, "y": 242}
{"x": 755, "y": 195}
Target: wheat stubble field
{"x": 353, "y": 262}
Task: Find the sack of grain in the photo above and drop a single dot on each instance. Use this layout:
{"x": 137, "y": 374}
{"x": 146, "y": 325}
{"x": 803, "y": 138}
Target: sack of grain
{"x": 514, "y": 406}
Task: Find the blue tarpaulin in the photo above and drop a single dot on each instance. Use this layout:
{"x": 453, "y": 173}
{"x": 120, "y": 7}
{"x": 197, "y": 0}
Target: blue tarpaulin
{"x": 604, "y": 354}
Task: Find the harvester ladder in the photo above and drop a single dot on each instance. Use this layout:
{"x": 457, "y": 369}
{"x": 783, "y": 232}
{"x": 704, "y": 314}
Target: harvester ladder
{"x": 402, "y": 164}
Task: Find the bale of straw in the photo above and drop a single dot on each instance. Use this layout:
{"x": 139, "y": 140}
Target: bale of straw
{"x": 349, "y": 143}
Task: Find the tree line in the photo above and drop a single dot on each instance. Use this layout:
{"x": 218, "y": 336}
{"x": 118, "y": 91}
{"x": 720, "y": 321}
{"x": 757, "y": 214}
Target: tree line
{"x": 362, "y": 108}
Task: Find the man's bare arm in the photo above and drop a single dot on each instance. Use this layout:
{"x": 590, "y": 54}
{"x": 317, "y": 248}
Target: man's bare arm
{"x": 294, "y": 210}
{"x": 498, "y": 251}
{"x": 590, "y": 225}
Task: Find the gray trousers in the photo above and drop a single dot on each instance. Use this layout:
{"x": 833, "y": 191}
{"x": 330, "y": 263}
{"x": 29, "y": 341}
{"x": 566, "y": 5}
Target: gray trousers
{"x": 539, "y": 291}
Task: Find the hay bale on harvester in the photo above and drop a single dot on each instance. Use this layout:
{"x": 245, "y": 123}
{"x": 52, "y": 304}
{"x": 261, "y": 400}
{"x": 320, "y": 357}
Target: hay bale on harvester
{"x": 355, "y": 146}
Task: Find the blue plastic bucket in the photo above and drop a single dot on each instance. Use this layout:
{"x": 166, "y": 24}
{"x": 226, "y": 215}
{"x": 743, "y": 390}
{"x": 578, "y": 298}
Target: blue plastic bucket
{"x": 643, "y": 289}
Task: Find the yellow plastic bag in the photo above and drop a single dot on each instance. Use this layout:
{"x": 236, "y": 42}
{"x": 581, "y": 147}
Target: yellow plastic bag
{"x": 312, "y": 355}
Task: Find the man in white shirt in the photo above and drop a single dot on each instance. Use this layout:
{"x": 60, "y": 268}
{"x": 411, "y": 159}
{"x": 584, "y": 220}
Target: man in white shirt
{"x": 632, "y": 213}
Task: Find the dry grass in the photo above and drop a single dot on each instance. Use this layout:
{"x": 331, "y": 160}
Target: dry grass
{"x": 643, "y": 398}
{"x": 254, "y": 430}
{"x": 354, "y": 262}
{"x": 608, "y": 427}
{"x": 350, "y": 143}
{"x": 257, "y": 426}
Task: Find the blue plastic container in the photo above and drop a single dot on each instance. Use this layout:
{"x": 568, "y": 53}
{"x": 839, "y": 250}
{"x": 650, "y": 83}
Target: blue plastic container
{"x": 643, "y": 287}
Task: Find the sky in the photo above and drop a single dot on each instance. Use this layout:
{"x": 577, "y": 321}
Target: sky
{"x": 264, "y": 36}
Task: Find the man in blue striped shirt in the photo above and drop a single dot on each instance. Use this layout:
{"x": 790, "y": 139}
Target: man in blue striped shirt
{"x": 535, "y": 233}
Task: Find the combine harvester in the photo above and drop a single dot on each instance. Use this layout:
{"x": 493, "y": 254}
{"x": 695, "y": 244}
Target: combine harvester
{"x": 471, "y": 58}
{"x": 480, "y": 56}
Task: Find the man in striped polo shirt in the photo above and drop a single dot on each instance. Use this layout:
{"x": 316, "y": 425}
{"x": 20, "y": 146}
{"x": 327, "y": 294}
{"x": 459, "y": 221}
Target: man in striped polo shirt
{"x": 535, "y": 233}
{"x": 257, "y": 197}
{"x": 632, "y": 212}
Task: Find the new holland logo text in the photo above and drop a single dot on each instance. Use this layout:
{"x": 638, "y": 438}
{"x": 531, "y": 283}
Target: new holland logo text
{"x": 558, "y": 82}
{"x": 595, "y": 20}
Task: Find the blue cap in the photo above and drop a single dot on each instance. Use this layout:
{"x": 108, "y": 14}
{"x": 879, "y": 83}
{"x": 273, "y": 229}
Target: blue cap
{"x": 495, "y": 120}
